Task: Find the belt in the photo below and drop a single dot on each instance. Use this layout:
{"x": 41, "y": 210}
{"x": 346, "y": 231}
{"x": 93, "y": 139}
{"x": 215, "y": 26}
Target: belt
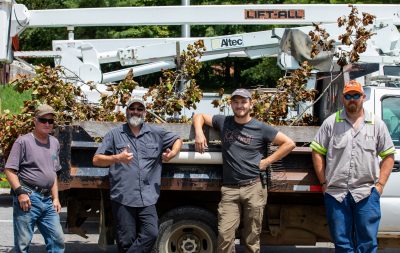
{"x": 44, "y": 191}
{"x": 244, "y": 182}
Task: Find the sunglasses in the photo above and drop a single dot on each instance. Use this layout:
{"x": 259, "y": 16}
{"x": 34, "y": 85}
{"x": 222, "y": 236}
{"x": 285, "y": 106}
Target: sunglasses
{"x": 139, "y": 109}
{"x": 355, "y": 96}
{"x": 44, "y": 120}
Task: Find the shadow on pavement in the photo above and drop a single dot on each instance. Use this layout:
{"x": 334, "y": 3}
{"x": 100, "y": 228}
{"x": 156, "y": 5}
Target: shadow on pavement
{"x": 70, "y": 247}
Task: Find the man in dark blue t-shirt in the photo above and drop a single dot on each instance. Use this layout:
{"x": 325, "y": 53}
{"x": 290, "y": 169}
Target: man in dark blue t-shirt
{"x": 244, "y": 151}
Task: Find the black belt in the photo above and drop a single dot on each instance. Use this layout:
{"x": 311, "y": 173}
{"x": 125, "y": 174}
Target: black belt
{"x": 44, "y": 191}
{"x": 244, "y": 182}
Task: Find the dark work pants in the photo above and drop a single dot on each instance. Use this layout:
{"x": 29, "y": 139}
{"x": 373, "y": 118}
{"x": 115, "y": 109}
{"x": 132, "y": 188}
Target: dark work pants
{"x": 136, "y": 227}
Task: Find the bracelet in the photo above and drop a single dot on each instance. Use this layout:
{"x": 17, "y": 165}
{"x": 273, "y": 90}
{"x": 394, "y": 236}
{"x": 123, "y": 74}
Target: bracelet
{"x": 20, "y": 191}
{"x": 383, "y": 185}
{"x": 323, "y": 183}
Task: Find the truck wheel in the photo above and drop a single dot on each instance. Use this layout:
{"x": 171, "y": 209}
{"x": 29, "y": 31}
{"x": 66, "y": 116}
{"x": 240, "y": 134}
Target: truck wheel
{"x": 187, "y": 230}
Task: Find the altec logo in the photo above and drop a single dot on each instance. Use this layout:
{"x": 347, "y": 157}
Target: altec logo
{"x": 274, "y": 14}
{"x": 228, "y": 42}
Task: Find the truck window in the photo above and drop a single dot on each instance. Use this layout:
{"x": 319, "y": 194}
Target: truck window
{"x": 391, "y": 116}
{"x": 391, "y": 70}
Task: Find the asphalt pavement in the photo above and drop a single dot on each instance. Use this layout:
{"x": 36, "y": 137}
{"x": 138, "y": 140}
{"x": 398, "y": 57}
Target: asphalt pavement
{"x": 78, "y": 244}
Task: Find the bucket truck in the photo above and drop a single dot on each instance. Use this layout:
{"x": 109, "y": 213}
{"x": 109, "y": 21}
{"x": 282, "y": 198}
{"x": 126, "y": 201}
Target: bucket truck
{"x": 190, "y": 187}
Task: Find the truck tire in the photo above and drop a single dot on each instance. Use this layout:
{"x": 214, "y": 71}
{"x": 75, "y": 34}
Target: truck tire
{"x": 187, "y": 230}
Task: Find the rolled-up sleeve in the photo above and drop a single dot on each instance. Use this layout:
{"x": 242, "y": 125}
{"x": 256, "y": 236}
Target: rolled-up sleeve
{"x": 168, "y": 138}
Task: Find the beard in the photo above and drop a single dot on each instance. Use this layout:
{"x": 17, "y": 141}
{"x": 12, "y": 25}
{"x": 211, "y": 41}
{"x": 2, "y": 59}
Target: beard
{"x": 135, "y": 121}
{"x": 241, "y": 114}
{"x": 353, "y": 108}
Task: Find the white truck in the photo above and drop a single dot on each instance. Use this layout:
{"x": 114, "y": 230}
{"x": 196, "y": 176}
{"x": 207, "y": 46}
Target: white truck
{"x": 191, "y": 182}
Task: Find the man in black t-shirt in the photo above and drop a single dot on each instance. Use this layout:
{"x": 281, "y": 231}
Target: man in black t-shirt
{"x": 244, "y": 151}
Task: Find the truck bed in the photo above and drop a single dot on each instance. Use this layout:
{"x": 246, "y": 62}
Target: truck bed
{"x": 293, "y": 174}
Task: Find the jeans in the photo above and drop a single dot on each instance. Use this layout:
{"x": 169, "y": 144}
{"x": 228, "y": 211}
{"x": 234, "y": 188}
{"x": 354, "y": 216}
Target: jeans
{"x": 137, "y": 227}
{"x": 42, "y": 214}
{"x": 354, "y": 226}
{"x": 249, "y": 202}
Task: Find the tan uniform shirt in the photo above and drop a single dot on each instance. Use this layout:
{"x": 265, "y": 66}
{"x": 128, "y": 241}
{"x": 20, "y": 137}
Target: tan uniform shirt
{"x": 352, "y": 163}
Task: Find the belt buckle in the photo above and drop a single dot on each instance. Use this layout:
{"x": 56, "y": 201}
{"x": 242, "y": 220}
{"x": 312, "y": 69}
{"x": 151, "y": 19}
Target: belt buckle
{"x": 41, "y": 190}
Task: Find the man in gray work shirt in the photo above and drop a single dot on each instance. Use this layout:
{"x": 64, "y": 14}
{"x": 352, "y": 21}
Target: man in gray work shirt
{"x": 345, "y": 153}
{"x": 134, "y": 152}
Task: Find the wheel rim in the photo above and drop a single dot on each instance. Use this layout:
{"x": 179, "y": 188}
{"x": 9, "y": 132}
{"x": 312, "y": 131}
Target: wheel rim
{"x": 189, "y": 239}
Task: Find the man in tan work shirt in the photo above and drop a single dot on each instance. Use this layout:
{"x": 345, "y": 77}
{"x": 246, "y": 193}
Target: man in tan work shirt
{"x": 345, "y": 156}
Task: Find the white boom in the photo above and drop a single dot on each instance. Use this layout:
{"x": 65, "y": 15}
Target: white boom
{"x": 84, "y": 57}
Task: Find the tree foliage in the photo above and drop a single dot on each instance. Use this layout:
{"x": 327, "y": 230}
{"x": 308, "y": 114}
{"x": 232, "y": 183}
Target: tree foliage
{"x": 168, "y": 98}
{"x": 49, "y": 86}
{"x": 291, "y": 90}
{"x": 68, "y": 100}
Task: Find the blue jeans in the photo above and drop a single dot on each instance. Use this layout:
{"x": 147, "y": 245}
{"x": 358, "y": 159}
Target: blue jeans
{"x": 354, "y": 226}
{"x": 136, "y": 227}
{"x": 42, "y": 214}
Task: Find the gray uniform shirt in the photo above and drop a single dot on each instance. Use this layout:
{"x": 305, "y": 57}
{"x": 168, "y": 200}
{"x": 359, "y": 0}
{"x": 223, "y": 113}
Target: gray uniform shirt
{"x": 243, "y": 147}
{"x": 35, "y": 163}
{"x": 352, "y": 163}
{"x": 136, "y": 184}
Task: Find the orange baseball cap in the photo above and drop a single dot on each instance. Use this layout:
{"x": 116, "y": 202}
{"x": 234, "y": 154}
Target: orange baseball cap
{"x": 353, "y": 85}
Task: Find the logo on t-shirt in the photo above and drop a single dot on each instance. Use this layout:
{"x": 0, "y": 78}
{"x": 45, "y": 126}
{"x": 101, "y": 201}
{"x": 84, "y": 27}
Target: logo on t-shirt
{"x": 235, "y": 135}
{"x": 56, "y": 161}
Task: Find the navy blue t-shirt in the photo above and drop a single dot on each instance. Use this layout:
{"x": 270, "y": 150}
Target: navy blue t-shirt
{"x": 243, "y": 147}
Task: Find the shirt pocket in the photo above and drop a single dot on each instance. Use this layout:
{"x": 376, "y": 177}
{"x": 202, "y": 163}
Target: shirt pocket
{"x": 369, "y": 146}
{"x": 151, "y": 150}
{"x": 339, "y": 142}
{"x": 120, "y": 148}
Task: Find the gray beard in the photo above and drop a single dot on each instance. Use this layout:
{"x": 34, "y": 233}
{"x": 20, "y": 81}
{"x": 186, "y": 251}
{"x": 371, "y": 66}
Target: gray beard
{"x": 135, "y": 121}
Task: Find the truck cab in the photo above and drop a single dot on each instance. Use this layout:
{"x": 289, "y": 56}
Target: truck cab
{"x": 384, "y": 102}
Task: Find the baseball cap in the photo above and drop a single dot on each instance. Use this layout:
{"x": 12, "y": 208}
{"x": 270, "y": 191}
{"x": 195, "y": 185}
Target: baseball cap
{"x": 135, "y": 99}
{"x": 353, "y": 85}
{"x": 242, "y": 92}
{"x": 43, "y": 110}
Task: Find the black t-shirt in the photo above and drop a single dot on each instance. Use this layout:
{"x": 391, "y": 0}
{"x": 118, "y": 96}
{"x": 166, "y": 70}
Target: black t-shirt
{"x": 243, "y": 146}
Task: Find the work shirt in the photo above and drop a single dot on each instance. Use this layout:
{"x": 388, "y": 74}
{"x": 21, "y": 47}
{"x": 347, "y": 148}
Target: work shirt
{"x": 35, "y": 163}
{"x": 136, "y": 184}
{"x": 351, "y": 155}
